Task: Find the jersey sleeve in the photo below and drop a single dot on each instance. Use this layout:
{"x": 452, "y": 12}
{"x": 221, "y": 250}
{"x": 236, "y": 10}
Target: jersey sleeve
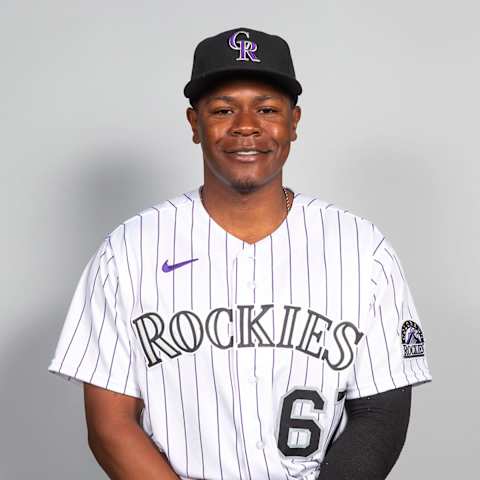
{"x": 94, "y": 344}
{"x": 392, "y": 352}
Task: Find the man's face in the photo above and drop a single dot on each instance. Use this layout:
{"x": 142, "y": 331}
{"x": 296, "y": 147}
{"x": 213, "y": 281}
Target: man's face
{"x": 245, "y": 127}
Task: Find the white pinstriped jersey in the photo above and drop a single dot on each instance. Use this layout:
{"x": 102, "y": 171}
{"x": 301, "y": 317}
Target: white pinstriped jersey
{"x": 244, "y": 354}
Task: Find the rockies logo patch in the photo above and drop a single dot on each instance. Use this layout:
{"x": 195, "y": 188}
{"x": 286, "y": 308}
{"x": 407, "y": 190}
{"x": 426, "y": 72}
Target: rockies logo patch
{"x": 412, "y": 340}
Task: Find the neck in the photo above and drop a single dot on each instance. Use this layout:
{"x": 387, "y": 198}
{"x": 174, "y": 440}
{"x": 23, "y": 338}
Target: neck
{"x": 248, "y": 216}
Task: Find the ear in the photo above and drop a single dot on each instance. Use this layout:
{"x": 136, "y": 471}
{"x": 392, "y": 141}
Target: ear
{"x": 296, "y": 114}
{"x": 192, "y": 117}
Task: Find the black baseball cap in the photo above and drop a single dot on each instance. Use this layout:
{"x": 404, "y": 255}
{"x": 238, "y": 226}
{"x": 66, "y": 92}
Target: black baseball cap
{"x": 242, "y": 51}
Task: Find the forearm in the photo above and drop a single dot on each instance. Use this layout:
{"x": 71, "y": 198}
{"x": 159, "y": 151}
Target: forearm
{"x": 372, "y": 440}
{"x": 127, "y": 453}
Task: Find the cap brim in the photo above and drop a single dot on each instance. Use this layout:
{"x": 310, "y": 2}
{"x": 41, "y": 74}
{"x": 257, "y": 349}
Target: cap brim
{"x": 194, "y": 88}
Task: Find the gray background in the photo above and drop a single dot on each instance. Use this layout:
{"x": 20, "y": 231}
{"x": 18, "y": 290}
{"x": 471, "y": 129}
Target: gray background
{"x": 93, "y": 130}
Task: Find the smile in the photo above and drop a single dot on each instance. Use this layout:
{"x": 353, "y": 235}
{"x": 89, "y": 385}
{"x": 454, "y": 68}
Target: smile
{"x": 248, "y": 152}
{"x": 247, "y": 155}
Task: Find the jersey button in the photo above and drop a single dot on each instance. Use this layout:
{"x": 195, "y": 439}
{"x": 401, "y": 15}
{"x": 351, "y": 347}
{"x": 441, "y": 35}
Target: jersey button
{"x": 251, "y": 284}
{"x": 253, "y": 379}
{"x": 260, "y": 445}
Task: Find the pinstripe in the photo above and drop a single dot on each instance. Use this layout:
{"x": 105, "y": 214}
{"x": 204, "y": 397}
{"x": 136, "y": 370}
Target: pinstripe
{"x": 309, "y": 297}
{"x": 174, "y": 245}
{"x": 178, "y": 360}
{"x": 157, "y": 255}
{"x": 157, "y": 295}
{"x": 230, "y": 364}
{"x": 291, "y": 299}
{"x": 230, "y": 360}
{"x": 255, "y": 362}
{"x": 194, "y": 356}
{"x": 233, "y": 414}
{"x": 82, "y": 312}
{"x": 376, "y": 248}
{"x": 116, "y": 330}
{"x": 166, "y": 411}
{"x": 371, "y": 365}
{"x": 133, "y": 305}
{"x": 183, "y": 414}
{"x": 90, "y": 336}
{"x": 230, "y": 356}
{"x": 141, "y": 306}
{"x": 341, "y": 291}
{"x": 211, "y": 348}
{"x": 359, "y": 300}
{"x": 101, "y": 328}
{"x": 238, "y": 380}
{"x": 395, "y": 302}
{"x": 394, "y": 258}
{"x": 381, "y": 264}
{"x": 128, "y": 266}
{"x": 198, "y": 415}
{"x": 398, "y": 322}
{"x": 258, "y": 413}
{"x": 218, "y": 420}
{"x": 326, "y": 287}
{"x": 273, "y": 310}
{"x": 386, "y": 345}
{"x": 241, "y": 418}
{"x": 307, "y": 256}
{"x": 113, "y": 355}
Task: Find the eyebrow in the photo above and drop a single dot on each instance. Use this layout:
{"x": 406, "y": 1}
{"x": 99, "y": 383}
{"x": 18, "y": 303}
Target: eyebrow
{"x": 228, "y": 98}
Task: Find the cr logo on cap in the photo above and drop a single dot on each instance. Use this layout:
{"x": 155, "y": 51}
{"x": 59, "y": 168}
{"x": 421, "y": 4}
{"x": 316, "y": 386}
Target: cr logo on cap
{"x": 246, "y": 47}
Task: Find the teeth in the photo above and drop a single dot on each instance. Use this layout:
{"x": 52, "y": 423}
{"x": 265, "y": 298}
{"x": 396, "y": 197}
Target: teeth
{"x": 248, "y": 152}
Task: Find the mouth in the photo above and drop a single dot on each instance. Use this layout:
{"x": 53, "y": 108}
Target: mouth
{"x": 247, "y": 155}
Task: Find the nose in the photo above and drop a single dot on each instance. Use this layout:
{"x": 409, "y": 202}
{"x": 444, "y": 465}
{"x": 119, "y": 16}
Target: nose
{"x": 245, "y": 124}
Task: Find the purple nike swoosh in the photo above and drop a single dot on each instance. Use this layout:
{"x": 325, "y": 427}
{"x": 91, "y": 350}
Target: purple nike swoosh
{"x": 168, "y": 268}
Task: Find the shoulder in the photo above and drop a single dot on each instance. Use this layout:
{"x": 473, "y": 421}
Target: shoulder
{"x": 333, "y": 211}
{"x": 147, "y": 220}
{"x": 347, "y": 223}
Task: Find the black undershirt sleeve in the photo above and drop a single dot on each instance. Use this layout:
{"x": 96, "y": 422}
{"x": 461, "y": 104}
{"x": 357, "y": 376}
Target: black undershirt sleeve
{"x": 373, "y": 438}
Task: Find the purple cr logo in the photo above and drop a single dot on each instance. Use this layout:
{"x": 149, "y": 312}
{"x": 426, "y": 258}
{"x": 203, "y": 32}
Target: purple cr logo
{"x": 246, "y": 47}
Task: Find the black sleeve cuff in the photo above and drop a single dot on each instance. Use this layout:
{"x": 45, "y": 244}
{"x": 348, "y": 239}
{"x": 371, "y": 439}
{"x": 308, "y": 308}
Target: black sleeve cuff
{"x": 373, "y": 438}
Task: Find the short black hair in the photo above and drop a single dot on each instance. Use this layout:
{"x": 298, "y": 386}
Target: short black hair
{"x": 194, "y": 100}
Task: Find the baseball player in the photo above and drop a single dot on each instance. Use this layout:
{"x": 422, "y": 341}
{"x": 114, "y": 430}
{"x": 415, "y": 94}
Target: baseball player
{"x": 243, "y": 329}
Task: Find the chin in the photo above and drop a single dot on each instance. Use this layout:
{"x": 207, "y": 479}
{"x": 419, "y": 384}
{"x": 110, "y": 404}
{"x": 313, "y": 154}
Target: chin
{"x": 245, "y": 185}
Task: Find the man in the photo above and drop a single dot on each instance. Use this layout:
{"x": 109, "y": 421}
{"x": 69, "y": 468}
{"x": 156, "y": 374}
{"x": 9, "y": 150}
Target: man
{"x": 243, "y": 329}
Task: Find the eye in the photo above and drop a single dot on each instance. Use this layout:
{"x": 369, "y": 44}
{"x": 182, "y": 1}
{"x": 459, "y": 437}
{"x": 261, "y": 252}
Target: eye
{"x": 268, "y": 109}
{"x": 222, "y": 111}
